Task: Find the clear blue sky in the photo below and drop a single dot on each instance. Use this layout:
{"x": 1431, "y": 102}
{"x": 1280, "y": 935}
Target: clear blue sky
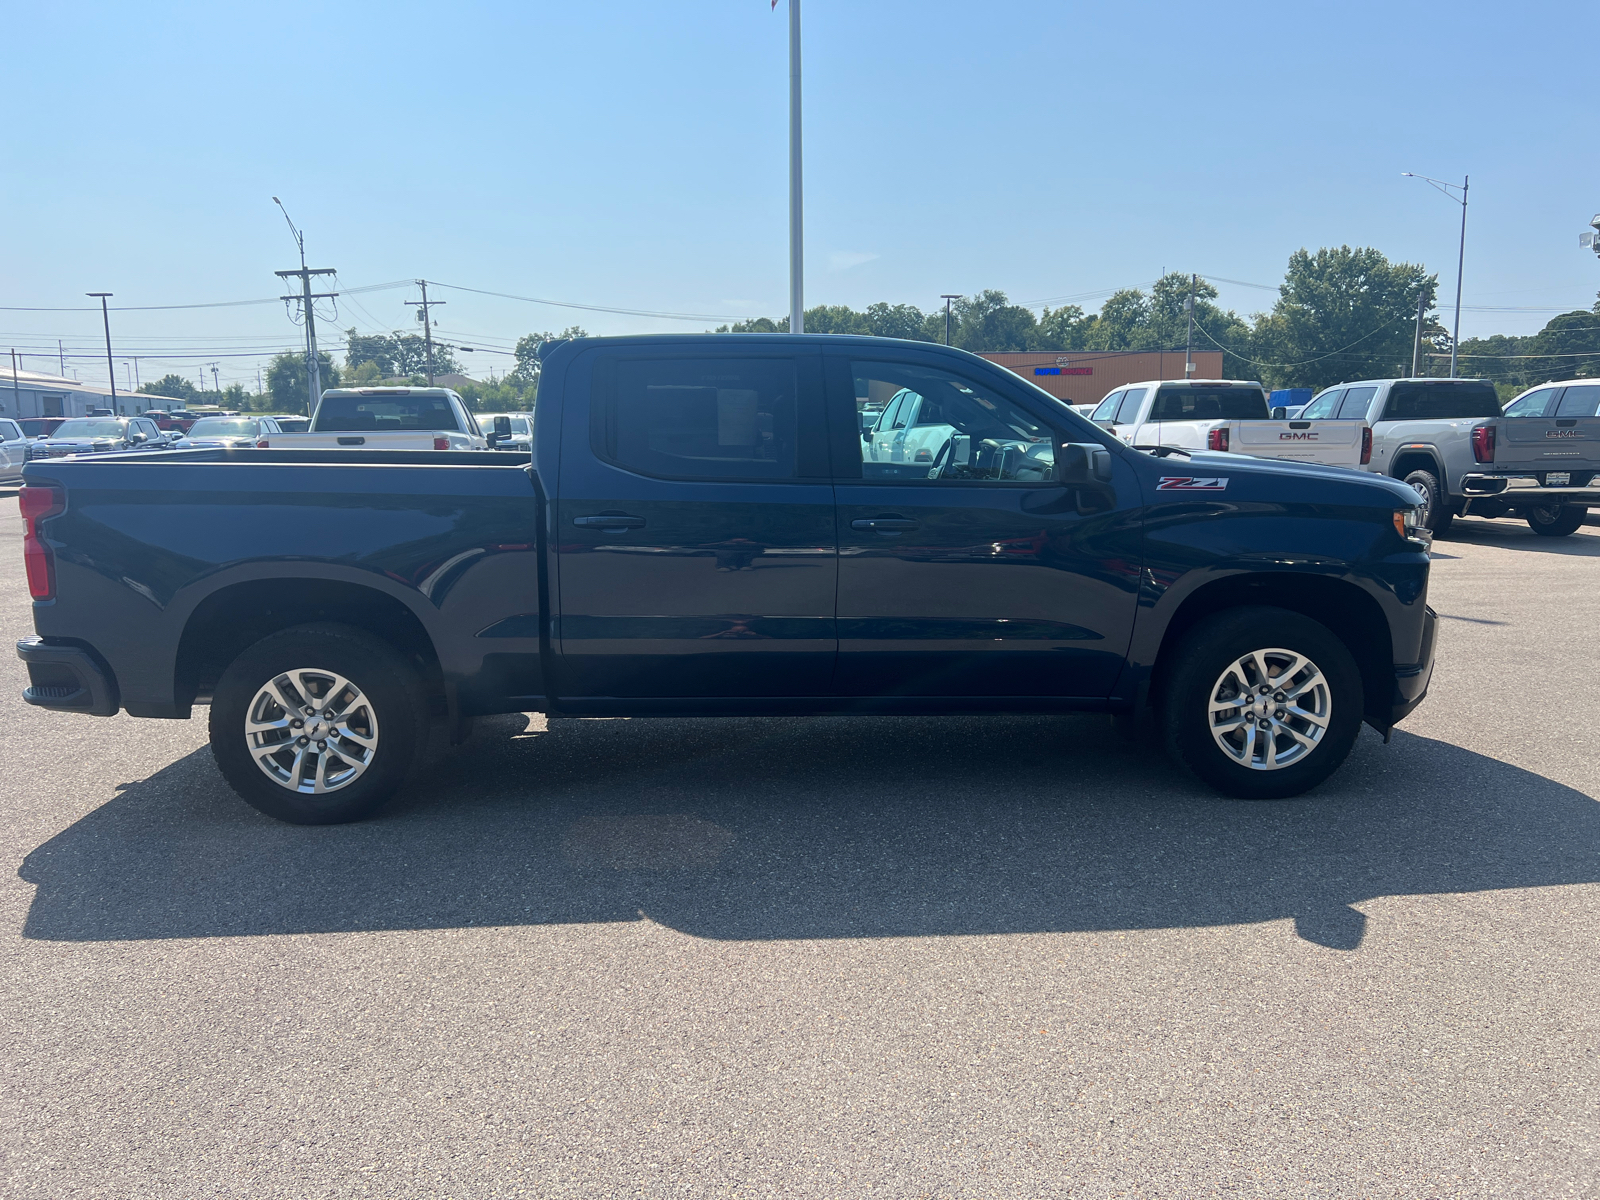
{"x": 634, "y": 155}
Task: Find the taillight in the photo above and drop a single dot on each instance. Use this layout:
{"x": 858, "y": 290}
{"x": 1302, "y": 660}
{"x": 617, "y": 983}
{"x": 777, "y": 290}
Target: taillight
{"x": 37, "y": 503}
{"x": 262, "y": 444}
{"x": 1483, "y": 443}
{"x": 441, "y": 443}
{"x": 1366, "y": 444}
{"x": 1217, "y": 439}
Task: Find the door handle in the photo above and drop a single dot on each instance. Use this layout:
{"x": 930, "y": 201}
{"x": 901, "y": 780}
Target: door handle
{"x": 885, "y": 525}
{"x": 609, "y": 522}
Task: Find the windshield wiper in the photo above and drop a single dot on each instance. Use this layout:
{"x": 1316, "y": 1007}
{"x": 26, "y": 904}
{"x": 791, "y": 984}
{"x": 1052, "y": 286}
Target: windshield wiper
{"x": 1163, "y": 451}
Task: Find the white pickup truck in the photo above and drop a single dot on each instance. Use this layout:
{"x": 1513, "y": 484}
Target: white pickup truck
{"x": 1227, "y": 414}
{"x": 386, "y": 418}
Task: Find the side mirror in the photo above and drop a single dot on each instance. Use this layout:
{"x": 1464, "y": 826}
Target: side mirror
{"x": 501, "y": 432}
{"x": 866, "y": 436}
{"x": 139, "y": 437}
{"x": 1083, "y": 465}
{"x": 1280, "y": 413}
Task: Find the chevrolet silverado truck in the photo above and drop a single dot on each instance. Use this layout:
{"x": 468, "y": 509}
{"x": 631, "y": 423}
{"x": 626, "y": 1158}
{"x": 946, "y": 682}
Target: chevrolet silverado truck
{"x": 701, "y": 531}
{"x": 1227, "y": 415}
{"x": 387, "y": 418}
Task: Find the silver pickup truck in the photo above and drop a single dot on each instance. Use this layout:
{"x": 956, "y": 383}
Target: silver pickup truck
{"x": 1449, "y": 440}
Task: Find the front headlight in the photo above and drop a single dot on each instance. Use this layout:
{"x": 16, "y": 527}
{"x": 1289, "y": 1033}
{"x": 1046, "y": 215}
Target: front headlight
{"x": 1407, "y": 524}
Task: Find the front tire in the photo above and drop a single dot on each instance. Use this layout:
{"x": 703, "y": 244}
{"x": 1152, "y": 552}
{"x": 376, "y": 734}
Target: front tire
{"x": 1551, "y": 520}
{"x": 318, "y": 724}
{"x": 1435, "y": 516}
{"x": 1262, "y": 703}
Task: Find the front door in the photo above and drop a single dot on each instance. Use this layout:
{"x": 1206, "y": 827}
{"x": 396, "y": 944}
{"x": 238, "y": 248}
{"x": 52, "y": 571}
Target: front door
{"x": 695, "y": 526}
{"x": 965, "y": 570}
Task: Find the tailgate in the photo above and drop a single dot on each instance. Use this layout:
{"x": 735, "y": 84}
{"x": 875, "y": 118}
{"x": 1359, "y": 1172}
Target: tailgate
{"x": 354, "y": 440}
{"x": 1537, "y": 444}
{"x": 1332, "y": 443}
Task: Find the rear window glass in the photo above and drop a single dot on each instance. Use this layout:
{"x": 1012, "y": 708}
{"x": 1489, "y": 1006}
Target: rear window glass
{"x": 1354, "y": 405}
{"x": 1534, "y": 404}
{"x": 713, "y": 418}
{"x": 381, "y": 414}
{"x": 1440, "y": 401}
{"x": 1580, "y": 401}
{"x": 1210, "y": 404}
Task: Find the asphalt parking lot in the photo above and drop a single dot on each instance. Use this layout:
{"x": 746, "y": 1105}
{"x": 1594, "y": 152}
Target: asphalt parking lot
{"x": 878, "y": 957}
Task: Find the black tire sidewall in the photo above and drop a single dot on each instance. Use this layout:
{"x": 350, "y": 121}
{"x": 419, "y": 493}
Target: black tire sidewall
{"x": 386, "y": 679}
{"x": 1203, "y": 655}
{"x": 1568, "y": 522}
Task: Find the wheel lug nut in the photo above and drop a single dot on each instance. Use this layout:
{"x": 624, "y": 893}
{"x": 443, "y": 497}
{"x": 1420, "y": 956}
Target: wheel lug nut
{"x": 322, "y": 745}
{"x": 329, "y": 714}
{"x": 305, "y": 741}
{"x": 1279, "y": 714}
{"x": 297, "y": 724}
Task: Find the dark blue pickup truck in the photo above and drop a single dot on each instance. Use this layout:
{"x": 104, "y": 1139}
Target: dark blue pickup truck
{"x": 708, "y": 526}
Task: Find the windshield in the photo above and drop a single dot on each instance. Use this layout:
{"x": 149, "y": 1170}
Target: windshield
{"x": 89, "y": 429}
{"x": 1210, "y": 404}
{"x": 1440, "y": 401}
{"x": 223, "y": 427}
{"x": 384, "y": 414}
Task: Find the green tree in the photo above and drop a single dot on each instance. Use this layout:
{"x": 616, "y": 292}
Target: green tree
{"x": 526, "y": 373}
{"x": 174, "y": 386}
{"x": 287, "y": 382}
{"x": 895, "y": 321}
{"x": 1064, "y": 328}
{"x": 989, "y": 321}
{"x": 376, "y": 349}
{"x": 1342, "y": 314}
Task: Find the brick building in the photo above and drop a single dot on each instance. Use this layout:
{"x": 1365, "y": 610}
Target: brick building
{"x": 1085, "y": 376}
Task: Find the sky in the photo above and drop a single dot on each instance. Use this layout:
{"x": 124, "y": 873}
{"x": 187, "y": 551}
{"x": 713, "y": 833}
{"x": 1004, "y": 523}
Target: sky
{"x": 634, "y": 155}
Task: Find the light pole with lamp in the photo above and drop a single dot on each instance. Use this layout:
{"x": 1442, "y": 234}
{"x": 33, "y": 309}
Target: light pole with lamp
{"x": 947, "y": 299}
{"x": 1461, "y": 259}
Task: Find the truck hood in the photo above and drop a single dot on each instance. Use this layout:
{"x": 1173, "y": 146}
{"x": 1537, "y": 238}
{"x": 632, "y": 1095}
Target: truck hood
{"x": 1365, "y": 487}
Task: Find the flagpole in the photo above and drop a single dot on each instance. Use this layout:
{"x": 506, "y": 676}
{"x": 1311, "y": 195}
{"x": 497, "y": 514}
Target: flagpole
{"x": 797, "y": 311}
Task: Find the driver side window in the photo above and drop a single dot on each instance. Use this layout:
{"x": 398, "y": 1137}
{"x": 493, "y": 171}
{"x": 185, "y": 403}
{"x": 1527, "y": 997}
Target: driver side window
{"x": 1322, "y": 407}
{"x": 945, "y": 428}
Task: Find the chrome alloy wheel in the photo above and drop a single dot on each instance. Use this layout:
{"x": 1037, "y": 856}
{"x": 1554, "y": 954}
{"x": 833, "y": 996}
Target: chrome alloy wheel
{"x": 1269, "y": 709}
{"x": 311, "y": 731}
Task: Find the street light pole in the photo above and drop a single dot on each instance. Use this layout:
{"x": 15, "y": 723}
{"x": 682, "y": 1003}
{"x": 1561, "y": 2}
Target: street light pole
{"x": 111, "y": 369}
{"x": 797, "y": 258}
{"x": 1461, "y": 258}
{"x": 947, "y": 300}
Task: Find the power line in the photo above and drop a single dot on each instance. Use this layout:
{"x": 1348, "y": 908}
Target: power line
{"x": 627, "y": 312}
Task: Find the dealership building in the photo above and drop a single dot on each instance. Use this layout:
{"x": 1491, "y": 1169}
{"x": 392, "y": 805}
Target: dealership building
{"x": 30, "y": 394}
{"x": 1084, "y": 377}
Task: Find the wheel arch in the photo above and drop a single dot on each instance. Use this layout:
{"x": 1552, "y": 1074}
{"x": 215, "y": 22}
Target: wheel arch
{"x": 237, "y": 615}
{"x": 1420, "y": 458}
{"x": 1349, "y": 612}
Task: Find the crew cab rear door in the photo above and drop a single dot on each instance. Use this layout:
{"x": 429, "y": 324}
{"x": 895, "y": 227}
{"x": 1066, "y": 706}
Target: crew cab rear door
{"x": 1565, "y": 439}
{"x": 971, "y": 573}
{"x": 694, "y": 528}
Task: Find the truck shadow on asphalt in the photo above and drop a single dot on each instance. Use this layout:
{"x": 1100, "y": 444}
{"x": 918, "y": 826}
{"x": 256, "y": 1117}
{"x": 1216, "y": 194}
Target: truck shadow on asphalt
{"x": 1510, "y": 534}
{"x": 814, "y": 828}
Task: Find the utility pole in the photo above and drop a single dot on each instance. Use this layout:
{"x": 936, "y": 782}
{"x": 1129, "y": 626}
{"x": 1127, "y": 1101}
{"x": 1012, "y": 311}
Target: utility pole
{"x": 136, "y": 382}
{"x": 1188, "y": 347}
{"x": 1461, "y": 258}
{"x": 307, "y": 297}
{"x": 1416, "y": 345}
{"x": 427, "y": 323}
{"x": 16, "y": 388}
{"x": 797, "y": 257}
{"x": 127, "y": 367}
{"x": 111, "y": 369}
{"x": 947, "y": 300}
{"x": 214, "y": 382}
{"x": 63, "y": 355}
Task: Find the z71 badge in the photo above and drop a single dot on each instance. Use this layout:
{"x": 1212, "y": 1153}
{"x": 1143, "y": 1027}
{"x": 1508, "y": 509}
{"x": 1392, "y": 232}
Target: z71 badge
{"x": 1192, "y": 483}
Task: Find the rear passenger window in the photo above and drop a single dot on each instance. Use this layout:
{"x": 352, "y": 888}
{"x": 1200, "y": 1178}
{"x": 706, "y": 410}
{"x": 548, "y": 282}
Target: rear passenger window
{"x": 1580, "y": 401}
{"x": 1440, "y": 401}
{"x": 710, "y": 418}
{"x": 1354, "y": 405}
{"x": 1129, "y": 409}
{"x": 9, "y": 432}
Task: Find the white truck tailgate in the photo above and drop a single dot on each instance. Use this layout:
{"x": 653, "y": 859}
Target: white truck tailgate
{"x": 1331, "y": 443}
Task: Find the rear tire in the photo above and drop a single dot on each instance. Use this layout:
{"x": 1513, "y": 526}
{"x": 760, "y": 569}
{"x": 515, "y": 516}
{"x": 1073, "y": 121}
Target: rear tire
{"x": 1435, "y": 516}
{"x": 1556, "y": 520}
{"x": 1255, "y": 745}
{"x": 276, "y": 745}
